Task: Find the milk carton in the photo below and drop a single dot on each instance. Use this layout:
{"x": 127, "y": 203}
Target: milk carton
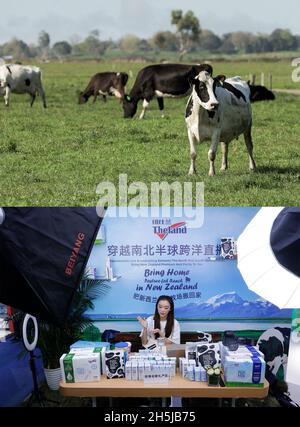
{"x": 82, "y": 367}
{"x": 208, "y": 354}
{"x": 114, "y": 364}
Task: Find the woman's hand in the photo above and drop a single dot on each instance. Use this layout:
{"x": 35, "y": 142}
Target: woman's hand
{"x": 142, "y": 321}
{"x": 158, "y": 331}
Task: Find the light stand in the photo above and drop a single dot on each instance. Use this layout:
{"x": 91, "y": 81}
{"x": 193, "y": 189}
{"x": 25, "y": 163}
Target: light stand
{"x": 30, "y": 345}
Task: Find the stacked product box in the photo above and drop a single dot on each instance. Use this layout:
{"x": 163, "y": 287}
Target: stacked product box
{"x": 90, "y": 344}
{"x": 150, "y": 366}
{"x": 188, "y": 369}
{"x": 242, "y": 350}
{"x": 80, "y": 367}
{"x": 244, "y": 367}
{"x": 198, "y": 356}
{"x": 90, "y": 350}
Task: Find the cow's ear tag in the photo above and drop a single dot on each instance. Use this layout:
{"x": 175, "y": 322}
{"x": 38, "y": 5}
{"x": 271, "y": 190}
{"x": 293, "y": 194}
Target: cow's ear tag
{"x": 128, "y": 98}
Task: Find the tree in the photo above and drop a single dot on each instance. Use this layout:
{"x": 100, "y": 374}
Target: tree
{"x": 43, "y": 40}
{"x": 144, "y": 45}
{"x": 227, "y": 45}
{"x": 91, "y": 46}
{"x": 129, "y": 43}
{"x": 17, "y": 49}
{"x": 165, "y": 40}
{"x": 209, "y": 40}
{"x": 242, "y": 41}
{"x": 261, "y": 43}
{"x": 297, "y": 40}
{"x": 44, "y": 43}
{"x": 62, "y": 48}
{"x": 187, "y": 30}
{"x": 282, "y": 40}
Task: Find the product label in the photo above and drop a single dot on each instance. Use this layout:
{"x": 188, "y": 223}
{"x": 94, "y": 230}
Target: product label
{"x": 256, "y": 372}
{"x": 68, "y": 368}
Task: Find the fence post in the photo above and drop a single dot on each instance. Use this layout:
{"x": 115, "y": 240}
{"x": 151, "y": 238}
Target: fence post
{"x": 262, "y": 79}
{"x": 270, "y": 81}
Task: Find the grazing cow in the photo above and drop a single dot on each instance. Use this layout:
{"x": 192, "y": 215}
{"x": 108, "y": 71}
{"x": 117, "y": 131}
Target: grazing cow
{"x": 107, "y": 83}
{"x": 21, "y": 79}
{"x": 160, "y": 80}
{"x": 218, "y": 110}
{"x": 260, "y": 93}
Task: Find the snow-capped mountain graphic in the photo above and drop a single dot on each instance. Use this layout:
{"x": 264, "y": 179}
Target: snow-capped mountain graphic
{"x": 231, "y": 305}
{"x": 228, "y": 305}
{"x": 221, "y": 299}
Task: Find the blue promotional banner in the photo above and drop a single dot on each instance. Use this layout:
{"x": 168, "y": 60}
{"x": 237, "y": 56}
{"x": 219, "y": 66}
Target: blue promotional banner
{"x": 194, "y": 262}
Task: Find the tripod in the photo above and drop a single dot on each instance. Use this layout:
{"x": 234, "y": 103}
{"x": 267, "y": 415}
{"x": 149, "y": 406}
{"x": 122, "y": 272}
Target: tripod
{"x": 30, "y": 346}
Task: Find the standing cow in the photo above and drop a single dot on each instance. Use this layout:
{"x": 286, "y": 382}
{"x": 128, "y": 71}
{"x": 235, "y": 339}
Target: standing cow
{"x": 108, "y": 83}
{"x": 21, "y": 79}
{"x": 218, "y": 110}
{"x": 159, "y": 80}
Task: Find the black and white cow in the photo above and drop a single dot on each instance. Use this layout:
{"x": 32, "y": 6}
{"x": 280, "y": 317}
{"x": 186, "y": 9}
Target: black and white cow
{"x": 159, "y": 80}
{"x": 260, "y": 93}
{"x": 218, "y": 110}
{"x": 274, "y": 344}
{"x": 107, "y": 83}
{"x": 21, "y": 79}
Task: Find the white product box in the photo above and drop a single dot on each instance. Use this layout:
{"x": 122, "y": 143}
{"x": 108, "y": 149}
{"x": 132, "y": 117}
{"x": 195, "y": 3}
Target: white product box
{"x": 134, "y": 371}
{"x": 128, "y": 371}
{"x": 82, "y": 367}
{"x": 247, "y": 370}
{"x": 90, "y": 350}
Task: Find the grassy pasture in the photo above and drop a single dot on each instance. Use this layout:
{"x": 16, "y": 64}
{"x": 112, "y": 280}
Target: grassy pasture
{"x": 56, "y": 157}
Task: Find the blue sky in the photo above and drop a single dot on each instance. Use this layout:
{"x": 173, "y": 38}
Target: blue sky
{"x": 73, "y": 19}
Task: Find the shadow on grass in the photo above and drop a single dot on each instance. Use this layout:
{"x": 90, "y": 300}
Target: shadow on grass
{"x": 278, "y": 170}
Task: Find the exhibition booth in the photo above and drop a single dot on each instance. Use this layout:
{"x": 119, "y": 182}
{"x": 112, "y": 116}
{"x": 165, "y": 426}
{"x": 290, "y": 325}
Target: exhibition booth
{"x": 193, "y": 258}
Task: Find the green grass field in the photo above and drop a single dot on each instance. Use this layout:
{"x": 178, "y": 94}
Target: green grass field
{"x": 57, "y": 157}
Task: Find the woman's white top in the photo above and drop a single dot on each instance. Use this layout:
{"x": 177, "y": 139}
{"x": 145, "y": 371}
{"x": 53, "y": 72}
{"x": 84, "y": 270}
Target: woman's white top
{"x": 175, "y": 335}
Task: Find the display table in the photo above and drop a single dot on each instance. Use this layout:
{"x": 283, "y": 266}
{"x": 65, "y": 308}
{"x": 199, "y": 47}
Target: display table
{"x": 176, "y": 388}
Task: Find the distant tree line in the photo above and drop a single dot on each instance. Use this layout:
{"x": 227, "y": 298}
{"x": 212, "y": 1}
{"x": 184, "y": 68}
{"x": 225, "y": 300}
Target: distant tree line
{"x": 187, "y": 37}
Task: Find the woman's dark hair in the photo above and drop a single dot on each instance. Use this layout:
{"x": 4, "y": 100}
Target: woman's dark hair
{"x": 170, "y": 318}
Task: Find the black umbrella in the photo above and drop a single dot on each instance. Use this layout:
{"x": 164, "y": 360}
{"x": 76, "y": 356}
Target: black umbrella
{"x": 43, "y": 255}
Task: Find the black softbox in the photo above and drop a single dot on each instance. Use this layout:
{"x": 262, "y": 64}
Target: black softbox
{"x": 43, "y": 255}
